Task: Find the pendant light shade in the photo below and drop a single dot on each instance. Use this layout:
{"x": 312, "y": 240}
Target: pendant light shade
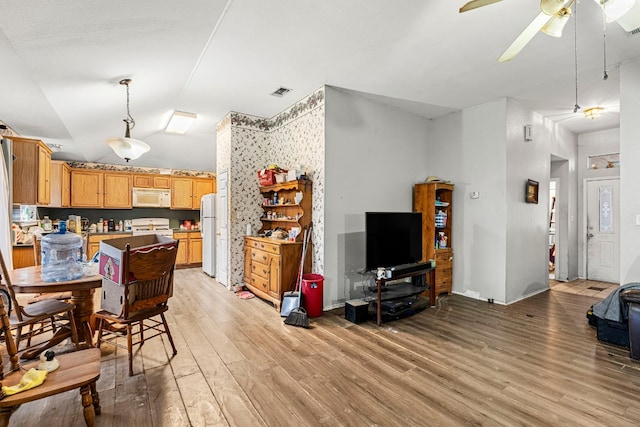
{"x": 614, "y": 9}
{"x": 128, "y": 148}
{"x": 556, "y": 25}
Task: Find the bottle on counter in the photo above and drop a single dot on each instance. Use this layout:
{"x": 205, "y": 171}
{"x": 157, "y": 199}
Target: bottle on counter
{"x": 111, "y": 225}
{"x": 120, "y": 225}
{"x": 100, "y": 226}
{"x": 47, "y": 225}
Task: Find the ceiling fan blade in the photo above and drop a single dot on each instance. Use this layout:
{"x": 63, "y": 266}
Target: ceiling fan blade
{"x": 525, "y": 37}
{"x": 474, "y": 4}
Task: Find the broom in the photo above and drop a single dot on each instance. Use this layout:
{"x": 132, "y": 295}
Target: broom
{"x": 298, "y": 316}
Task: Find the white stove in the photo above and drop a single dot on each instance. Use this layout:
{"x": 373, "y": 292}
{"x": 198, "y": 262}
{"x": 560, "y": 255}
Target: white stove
{"x": 140, "y": 226}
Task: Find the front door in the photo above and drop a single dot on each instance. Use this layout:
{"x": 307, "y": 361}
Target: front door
{"x": 603, "y": 230}
{"x": 222, "y": 275}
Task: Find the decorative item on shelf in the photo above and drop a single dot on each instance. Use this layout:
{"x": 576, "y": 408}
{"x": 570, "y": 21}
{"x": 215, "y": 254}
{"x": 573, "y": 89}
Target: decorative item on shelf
{"x": 128, "y": 148}
{"x": 441, "y": 219}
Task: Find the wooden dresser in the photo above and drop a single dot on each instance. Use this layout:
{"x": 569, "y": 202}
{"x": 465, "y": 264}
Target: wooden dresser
{"x": 271, "y": 266}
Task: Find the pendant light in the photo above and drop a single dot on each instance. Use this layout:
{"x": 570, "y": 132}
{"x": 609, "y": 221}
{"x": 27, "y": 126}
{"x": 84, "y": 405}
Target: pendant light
{"x": 128, "y": 148}
{"x": 576, "y": 107}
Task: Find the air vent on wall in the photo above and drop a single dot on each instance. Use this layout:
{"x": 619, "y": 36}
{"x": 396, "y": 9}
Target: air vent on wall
{"x": 281, "y": 91}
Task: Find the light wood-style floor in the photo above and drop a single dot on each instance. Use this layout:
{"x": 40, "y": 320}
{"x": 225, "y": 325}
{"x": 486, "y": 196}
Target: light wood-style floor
{"x": 465, "y": 362}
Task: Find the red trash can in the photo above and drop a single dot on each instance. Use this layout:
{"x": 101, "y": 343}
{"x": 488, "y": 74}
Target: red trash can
{"x": 312, "y": 294}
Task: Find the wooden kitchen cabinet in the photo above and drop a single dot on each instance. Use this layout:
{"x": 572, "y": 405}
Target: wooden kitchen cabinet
{"x": 152, "y": 181}
{"x": 93, "y": 241}
{"x": 86, "y": 188}
{"x": 117, "y": 191}
{"x": 60, "y": 184}
{"x": 189, "y": 249}
{"x": 100, "y": 189}
{"x": 31, "y": 172}
{"x": 186, "y": 192}
{"x": 271, "y": 267}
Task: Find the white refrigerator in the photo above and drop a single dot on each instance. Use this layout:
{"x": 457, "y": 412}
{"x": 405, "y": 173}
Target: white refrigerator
{"x": 208, "y": 231}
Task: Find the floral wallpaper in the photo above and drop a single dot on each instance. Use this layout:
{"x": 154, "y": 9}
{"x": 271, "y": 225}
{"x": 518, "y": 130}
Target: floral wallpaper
{"x": 137, "y": 169}
{"x": 292, "y": 139}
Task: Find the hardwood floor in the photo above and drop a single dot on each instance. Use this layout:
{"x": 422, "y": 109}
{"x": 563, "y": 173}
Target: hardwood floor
{"x": 465, "y": 362}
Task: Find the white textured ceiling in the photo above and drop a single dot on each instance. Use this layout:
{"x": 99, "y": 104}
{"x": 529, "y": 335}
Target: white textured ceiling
{"x": 61, "y": 63}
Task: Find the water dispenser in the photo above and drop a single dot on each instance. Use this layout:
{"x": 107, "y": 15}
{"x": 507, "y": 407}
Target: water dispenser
{"x": 61, "y": 255}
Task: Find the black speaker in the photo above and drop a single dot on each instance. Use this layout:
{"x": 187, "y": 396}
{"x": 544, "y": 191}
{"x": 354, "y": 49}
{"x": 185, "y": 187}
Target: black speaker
{"x": 356, "y": 311}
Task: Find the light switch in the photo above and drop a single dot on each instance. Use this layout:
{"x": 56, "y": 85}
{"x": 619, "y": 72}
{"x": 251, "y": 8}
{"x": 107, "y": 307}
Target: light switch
{"x": 474, "y": 195}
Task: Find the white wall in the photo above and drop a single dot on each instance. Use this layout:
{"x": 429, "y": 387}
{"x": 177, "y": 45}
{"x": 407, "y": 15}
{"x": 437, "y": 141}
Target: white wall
{"x": 527, "y": 250}
{"x": 629, "y": 171}
{"x": 500, "y": 242}
{"x": 374, "y": 155}
{"x": 469, "y": 149}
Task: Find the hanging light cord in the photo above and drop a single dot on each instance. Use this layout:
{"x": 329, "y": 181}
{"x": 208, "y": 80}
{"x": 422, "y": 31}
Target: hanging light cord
{"x": 576, "y": 107}
{"x": 129, "y": 120}
{"x": 605, "y": 75}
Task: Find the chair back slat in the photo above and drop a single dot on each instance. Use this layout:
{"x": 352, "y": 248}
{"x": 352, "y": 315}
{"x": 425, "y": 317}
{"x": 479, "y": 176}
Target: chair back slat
{"x": 7, "y": 282}
{"x": 148, "y": 277}
{"x": 9, "y": 342}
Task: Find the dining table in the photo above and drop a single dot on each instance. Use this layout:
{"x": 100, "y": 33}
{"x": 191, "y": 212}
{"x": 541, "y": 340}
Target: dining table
{"x": 29, "y": 280}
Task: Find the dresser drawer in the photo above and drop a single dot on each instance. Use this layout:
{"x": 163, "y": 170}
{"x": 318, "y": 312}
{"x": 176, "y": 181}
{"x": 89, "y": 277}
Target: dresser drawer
{"x": 259, "y": 269}
{"x": 265, "y": 246}
{"x": 259, "y": 256}
{"x": 260, "y": 282}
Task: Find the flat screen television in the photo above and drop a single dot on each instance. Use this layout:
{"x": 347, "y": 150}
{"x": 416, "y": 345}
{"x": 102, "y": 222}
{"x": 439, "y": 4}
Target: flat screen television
{"x": 392, "y": 238}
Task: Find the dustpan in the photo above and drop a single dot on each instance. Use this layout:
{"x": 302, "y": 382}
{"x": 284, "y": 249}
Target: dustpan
{"x": 290, "y": 300}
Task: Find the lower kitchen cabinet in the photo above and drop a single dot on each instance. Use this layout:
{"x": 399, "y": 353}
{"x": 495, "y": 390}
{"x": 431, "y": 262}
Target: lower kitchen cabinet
{"x": 189, "y": 248}
{"x": 93, "y": 241}
{"x": 271, "y": 267}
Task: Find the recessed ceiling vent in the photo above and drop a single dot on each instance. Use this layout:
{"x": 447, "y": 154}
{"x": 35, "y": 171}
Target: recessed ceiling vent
{"x": 281, "y": 91}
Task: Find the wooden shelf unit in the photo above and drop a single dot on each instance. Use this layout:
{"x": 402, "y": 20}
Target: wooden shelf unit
{"x": 425, "y": 198}
{"x": 287, "y": 214}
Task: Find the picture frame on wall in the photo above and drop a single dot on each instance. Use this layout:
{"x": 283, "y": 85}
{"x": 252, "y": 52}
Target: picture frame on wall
{"x": 532, "y": 191}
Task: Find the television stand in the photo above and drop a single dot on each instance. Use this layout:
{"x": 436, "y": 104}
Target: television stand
{"x": 426, "y": 269}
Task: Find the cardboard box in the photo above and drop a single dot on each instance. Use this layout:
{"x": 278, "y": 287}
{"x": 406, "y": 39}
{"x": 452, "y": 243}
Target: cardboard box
{"x": 112, "y": 253}
{"x": 112, "y": 297}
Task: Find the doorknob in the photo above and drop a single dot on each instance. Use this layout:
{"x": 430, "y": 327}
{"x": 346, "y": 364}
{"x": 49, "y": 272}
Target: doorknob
{"x": 590, "y": 235}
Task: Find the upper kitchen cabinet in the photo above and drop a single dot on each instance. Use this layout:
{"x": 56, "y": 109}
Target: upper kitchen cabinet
{"x": 60, "y": 184}
{"x": 100, "y": 189}
{"x": 186, "y": 191}
{"x": 31, "y": 172}
{"x": 152, "y": 181}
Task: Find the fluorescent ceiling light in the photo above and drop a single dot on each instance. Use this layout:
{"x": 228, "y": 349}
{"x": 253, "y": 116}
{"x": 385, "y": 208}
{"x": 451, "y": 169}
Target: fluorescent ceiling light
{"x": 180, "y": 122}
{"x": 593, "y": 112}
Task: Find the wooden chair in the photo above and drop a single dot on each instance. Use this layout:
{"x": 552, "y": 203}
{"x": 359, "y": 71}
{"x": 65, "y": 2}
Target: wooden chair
{"x": 147, "y": 287}
{"x": 43, "y": 316}
{"x": 78, "y": 370}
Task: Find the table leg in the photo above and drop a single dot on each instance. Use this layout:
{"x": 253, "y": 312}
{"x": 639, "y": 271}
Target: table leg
{"x": 432, "y": 287}
{"x": 379, "y": 307}
{"x": 83, "y": 299}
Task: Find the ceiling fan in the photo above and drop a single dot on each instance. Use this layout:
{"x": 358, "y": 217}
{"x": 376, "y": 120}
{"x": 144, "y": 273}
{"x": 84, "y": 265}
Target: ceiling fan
{"x": 551, "y": 20}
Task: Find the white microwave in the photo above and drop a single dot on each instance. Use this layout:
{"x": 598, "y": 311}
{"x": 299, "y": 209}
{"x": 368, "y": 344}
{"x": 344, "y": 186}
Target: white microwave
{"x": 151, "y": 198}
